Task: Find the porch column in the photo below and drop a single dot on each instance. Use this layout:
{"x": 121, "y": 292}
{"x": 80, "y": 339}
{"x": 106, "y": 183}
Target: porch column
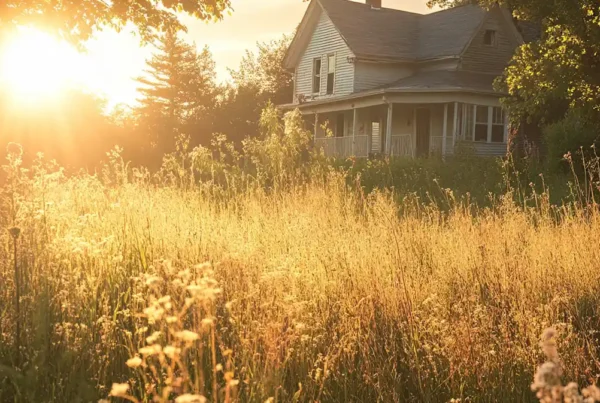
{"x": 354, "y": 126}
{"x": 455, "y": 129}
{"x": 445, "y": 130}
{"x": 388, "y": 130}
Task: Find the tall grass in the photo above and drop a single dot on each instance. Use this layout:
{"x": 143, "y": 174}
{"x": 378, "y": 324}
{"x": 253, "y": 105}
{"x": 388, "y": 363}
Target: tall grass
{"x": 276, "y": 281}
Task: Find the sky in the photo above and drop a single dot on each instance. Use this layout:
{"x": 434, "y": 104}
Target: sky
{"x": 114, "y": 59}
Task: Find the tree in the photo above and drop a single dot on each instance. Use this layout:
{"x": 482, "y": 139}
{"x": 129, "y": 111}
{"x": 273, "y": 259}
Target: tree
{"x": 260, "y": 79}
{"x": 562, "y": 69}
{"x": 264, "y": 71}
{"x": 177, "y": 91}
{"x": 78, "y": 19}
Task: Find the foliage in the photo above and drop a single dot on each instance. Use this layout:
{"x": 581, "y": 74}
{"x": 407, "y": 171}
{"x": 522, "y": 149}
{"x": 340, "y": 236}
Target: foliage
{"x": 315, "y": 291}
{"x": 77, "y": 20}
{"x": 265, "y": 71}
{"x": 178, "y": 93}
{"x": 573, "y": 138}
{"x": 260, "y": 79}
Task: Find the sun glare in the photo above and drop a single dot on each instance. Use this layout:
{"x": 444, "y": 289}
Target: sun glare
{"x": 36, "y": 66}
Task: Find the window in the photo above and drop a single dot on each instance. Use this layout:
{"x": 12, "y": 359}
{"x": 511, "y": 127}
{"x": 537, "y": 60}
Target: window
{"x": 339, "y": 125}
{"x": 497, "y": 125}
{"x": 481, "y": 123}
{"x": 489, "y": 38}
{"x": 316, "y": 85}
{"x": 330, "y": 73}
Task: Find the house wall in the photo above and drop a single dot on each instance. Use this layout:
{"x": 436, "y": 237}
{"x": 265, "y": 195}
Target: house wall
{"x": 490, "y": 59}
{"x": 369, "y": 75}
{"x": 325, "y": 40}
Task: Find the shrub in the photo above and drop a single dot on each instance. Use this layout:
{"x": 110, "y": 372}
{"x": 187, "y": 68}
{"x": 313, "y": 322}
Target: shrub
{"x": 573, "y": 135}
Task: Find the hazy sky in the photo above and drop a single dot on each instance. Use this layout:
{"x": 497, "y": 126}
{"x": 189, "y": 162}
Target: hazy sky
{"x": 117, "y": 57}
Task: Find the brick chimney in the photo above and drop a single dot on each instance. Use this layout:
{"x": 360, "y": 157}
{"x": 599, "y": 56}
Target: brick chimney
{"x": 375, "y": 4}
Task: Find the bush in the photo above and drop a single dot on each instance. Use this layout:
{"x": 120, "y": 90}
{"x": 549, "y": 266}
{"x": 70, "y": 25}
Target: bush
{"x": 571, "y": 136}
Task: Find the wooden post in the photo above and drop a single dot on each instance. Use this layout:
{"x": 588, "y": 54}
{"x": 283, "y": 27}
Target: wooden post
{"x": 388, "y": 130}
{"x": 354, "y": 126}
{"x": 445, "y": 130}
{"x": 455, "y": 129}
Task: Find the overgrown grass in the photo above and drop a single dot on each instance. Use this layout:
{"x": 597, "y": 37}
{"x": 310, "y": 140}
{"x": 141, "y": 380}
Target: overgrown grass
{"x": 313, "y": 290}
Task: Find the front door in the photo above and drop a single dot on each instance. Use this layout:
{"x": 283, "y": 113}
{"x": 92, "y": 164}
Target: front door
{"x": 423, "y": 131}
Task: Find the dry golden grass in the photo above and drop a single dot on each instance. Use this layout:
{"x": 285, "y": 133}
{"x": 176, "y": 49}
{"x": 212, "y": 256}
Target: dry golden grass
{"x": 313, "y": 292}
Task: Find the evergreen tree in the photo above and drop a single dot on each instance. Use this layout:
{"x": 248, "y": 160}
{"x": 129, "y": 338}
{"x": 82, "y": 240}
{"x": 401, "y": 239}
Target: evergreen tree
{"x": 178, "y": 92}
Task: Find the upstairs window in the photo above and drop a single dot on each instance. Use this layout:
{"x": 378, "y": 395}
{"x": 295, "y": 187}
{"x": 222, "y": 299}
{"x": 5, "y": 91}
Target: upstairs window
{"x": 330, "y": 74}
{"x": 489, "y": 39}
{"x": 316, "y": 84}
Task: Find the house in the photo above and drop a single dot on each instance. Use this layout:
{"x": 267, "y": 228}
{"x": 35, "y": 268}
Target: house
{"x": 371, "y": 80}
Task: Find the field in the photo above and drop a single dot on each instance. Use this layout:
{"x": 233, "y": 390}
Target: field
{"x": 294, "y": 292}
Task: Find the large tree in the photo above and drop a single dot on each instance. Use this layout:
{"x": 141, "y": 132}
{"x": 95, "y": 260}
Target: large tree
{"x": 77, "y": 19}
{"x": 561, "y": 71}
{"x": 178, "y": 92}
{"x": 261, "y": 78}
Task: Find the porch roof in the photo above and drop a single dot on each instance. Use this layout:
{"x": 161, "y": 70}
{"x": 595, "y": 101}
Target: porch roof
{"x": 431, "y": 82}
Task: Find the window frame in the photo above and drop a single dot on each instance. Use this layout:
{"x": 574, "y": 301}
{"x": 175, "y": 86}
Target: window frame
{"x": 491, "y": 121}
{"x": 329, "y": 57}
{"x": 317, "y": 76}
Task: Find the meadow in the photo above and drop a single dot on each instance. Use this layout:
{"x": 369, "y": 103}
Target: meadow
{"x": 273, "y": 277}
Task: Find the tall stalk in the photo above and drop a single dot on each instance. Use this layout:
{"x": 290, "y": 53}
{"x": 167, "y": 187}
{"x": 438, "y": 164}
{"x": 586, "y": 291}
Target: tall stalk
{"x": 15, "y": 232}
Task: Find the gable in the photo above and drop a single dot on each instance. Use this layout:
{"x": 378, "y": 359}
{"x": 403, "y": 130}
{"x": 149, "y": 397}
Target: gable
{"x": 325, "y": 40}
{"x": 492, "y": 59}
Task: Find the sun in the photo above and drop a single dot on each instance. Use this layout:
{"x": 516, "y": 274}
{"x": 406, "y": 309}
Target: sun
{"x": 35, "y": 66}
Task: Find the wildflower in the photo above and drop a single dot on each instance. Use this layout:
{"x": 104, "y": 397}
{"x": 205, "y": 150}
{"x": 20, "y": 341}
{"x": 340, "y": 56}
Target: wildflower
{"x": 119, "y": 389}
{"x": 187, "y": 336}
{"x": 134, "y": 362}
{"x": 164, "y": 300}
{"x": 171, "y": 351}
{"x": 153, "y": 338}
{"x": 219, "y": 367}
{"x": 188, "y": 398}
{"x": 548, "y": 344}
{"x": 207, "y": 322}
{"x": 172, "y": 319}
{"x": 151, "y": 350}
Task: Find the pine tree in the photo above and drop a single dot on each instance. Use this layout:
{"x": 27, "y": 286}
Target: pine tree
{"x": 177, "y": 92}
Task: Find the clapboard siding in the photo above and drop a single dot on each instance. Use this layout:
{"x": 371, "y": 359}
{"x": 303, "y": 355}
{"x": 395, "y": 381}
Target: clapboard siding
{"x": 373, "y": 75}
{"x": 490, "y": 59}
{"x": 325, "y": 40}
{"x": 489, "y": 149}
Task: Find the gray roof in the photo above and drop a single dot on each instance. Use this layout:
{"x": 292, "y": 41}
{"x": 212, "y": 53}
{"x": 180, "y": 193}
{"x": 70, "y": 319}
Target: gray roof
{"x": 445, "y": 81}
{"x": 399, "y": 35}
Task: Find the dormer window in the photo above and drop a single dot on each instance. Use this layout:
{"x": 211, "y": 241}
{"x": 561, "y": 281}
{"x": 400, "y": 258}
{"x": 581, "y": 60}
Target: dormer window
{"x": 316, "y": 84}
{"x": 489, "y": 38}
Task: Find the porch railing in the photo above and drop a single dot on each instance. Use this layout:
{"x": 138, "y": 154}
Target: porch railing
{"x": 341, "y": 147}
{"x": 402, "y": 145}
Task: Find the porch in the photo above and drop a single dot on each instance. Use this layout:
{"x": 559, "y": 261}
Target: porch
{"x": 411, "y": 130}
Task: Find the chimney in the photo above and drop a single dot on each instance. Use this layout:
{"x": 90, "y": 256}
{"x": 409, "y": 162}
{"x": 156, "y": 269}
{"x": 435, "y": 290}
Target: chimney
{"x": 375, "y": 4}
